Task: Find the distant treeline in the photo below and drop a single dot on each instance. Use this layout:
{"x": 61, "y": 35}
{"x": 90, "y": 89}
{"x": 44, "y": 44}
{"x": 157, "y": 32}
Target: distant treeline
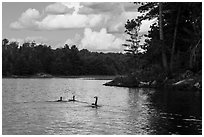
{"x": 31, "y": 58}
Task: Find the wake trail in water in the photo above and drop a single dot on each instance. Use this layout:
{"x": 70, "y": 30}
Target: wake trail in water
{"x": 77, "y": 101}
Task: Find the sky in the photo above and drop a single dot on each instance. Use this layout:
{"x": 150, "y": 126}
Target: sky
{"x": 96, "y": 26}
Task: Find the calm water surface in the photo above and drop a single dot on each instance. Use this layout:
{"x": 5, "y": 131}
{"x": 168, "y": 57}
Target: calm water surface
{"x": 29, "y": 107}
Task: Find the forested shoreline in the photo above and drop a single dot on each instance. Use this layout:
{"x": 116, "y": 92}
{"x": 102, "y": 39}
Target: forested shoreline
{"x": 31, "y": 59}
{"x": 173, "y": 46}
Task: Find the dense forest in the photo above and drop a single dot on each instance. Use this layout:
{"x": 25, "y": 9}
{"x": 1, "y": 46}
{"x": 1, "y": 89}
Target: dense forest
{"x": 173, "y": 47}
{"x": 173, "y": 44}
{"x": 31, "y": 58}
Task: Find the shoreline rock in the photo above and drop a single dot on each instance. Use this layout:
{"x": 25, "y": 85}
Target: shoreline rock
{"x": 182, "y": 82}
{"x": 123, "y": 81}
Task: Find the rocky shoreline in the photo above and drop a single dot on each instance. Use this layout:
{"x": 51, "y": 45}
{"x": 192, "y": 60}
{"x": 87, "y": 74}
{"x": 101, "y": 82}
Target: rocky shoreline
{"x": 184, "y": 81}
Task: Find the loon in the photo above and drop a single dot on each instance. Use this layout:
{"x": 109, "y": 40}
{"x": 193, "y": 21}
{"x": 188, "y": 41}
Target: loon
{"x": 72, "y": 99}
{"x": 95, "y": 105}
{"x": 60, "y": 100}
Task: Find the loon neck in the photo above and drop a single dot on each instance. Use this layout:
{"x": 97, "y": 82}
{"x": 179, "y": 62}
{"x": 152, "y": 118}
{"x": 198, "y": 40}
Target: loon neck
{"x": 96, "y": 101}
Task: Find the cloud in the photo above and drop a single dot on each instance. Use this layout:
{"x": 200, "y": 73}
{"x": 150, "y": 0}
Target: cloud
{"x": 74, "y": 41}
{"x": 101, "y": 41}
{"x": 36, "y": 39}
{"x": 107, "y": 7}
{"x": 116, "y": 13}
{"x": 145, "y": 27}
{"x": 67, "y": 21}
{"x": 66, "y": 15}
{"x": 55, "y": 19}
{"x": 100, "y": 7}
{"x": 75, "y": 5}
{"x": 27, "y": 19}
{"x": 130, "y": 6}
{"x": 58, "y": 8}
{"x": 117, "y": 23}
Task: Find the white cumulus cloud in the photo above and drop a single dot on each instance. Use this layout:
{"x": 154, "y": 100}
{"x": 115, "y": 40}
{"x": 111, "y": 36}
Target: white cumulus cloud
{"x": 59, "y": 8}
{"x": 27, "y": 19}
{"x": 55, "y": 19}
{"x": 69, "y": 21}
{"x": 68, "y": 15}
{"x": 101, "y": 41}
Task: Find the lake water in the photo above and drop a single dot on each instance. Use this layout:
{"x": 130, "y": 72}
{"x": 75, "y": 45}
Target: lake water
{"x": 29, "y": 107}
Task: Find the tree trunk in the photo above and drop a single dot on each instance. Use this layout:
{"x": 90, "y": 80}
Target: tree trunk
{"x": 164, "y": 58}
{"x": 174, "y": 39}
{"x": 192, "y": 59}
